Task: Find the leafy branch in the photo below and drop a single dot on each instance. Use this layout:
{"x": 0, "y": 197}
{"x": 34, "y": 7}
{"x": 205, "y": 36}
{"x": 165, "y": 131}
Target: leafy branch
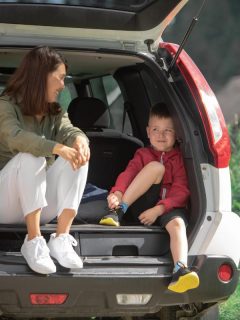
{"x": 235, "y": 166}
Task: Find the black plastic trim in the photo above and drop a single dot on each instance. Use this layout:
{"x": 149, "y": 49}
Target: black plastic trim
{"x": 86, "y": 17}
{"x": 92, "y": 290}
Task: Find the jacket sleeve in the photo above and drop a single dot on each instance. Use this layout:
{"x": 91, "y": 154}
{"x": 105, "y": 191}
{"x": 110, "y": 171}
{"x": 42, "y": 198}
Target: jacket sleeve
{"x": 125, "y": 178}
{"x": 66, "y": 133}
{"x": 177, "y": 195}
{"x": 16, "y": 138}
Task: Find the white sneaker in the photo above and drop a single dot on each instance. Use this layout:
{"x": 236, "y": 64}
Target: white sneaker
{"x": 61, "y": 249}
{"x": 36, "y": 253}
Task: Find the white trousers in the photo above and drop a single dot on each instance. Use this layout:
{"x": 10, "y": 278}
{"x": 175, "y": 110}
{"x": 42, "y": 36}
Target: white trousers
{"x": 26, "y": 185}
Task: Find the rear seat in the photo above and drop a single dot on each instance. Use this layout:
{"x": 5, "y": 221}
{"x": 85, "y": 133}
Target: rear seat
{"x": 110, "y": 150}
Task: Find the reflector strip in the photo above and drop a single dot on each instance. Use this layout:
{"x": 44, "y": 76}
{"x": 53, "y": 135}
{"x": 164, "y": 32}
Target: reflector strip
{"x": 48, "y": 298}
{"x": 225, "y": 272}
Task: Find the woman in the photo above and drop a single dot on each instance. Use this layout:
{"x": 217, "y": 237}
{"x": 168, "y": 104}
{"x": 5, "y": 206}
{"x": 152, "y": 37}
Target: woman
{"x": 34, "y": 187}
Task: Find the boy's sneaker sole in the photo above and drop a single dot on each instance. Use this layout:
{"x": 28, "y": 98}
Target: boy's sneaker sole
{"x": 185, "y": 282}
{"x": 113, "y": 218}
{"x": 109, "y": 221}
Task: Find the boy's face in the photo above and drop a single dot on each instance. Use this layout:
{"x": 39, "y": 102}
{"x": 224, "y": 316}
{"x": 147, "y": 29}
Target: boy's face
{"x": 161, "y": 133}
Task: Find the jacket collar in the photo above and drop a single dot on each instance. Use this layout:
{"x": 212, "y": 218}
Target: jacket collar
{"x": 166, "y": 155}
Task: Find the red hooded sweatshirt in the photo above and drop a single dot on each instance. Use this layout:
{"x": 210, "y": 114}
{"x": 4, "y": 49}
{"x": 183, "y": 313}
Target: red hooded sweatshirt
{"x": 174, "y": 191}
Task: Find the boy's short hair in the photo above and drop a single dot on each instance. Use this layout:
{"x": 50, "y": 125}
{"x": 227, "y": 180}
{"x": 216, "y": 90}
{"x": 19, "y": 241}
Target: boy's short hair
{"x": 159, "y": 110}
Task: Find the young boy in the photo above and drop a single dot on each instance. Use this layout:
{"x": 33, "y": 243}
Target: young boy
{"x": 154, "y": 185}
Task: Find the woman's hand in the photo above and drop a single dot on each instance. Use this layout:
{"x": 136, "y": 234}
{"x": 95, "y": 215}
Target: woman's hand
{"x": 81, "y": 146}
{"x": 148, "y": 217}
{"x": 114, "y": 199}
{"x": 69, "y": 154}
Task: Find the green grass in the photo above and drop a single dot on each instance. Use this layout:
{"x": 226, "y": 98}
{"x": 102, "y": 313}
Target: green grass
{"x": 230, "y": 310}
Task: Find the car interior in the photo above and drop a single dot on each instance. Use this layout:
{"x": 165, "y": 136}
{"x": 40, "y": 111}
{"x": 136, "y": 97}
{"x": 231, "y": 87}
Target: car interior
{"x": 108, "y": 96}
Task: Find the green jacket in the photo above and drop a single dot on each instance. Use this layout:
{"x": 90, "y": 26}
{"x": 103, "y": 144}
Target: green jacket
{"x": 20, "y": 133}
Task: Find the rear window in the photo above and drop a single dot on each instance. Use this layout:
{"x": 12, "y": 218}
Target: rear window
{"x": 125, "y": 5}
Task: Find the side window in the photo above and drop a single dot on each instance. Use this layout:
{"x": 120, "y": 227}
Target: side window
{"x": 1, "y": 88}
{"x": 64, "y": 97}
{"x": 3, "y": 80}
{"x": 106, "y": 89}
{"x": 67, "y": 94}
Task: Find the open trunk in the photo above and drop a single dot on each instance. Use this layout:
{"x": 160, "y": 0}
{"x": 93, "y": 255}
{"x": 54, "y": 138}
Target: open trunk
{"x": 127, "y": 269}
{"x": 136, "y": 86}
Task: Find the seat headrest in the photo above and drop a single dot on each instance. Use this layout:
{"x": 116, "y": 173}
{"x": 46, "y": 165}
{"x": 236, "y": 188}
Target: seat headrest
{"x": 88, "y": 113}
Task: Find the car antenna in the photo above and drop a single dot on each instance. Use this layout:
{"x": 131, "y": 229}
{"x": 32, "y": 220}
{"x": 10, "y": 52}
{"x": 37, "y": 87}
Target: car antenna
{"x": 194, "y": 21}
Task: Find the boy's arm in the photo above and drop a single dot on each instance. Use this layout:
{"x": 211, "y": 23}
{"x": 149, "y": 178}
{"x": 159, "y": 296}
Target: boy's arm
{"x": 178, "y": 194}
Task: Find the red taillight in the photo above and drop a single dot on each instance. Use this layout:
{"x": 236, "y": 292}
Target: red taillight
{"x": 48, "y": 298}
{"x": 208, "y": 107}
{"x": 225, "y": 272}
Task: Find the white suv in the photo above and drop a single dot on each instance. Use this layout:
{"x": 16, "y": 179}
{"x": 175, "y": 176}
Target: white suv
{"x": 118, "y": 68}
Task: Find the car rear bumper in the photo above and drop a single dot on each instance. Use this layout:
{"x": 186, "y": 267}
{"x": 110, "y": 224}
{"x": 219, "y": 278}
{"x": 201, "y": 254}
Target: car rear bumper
{"x": 92, "y": 291}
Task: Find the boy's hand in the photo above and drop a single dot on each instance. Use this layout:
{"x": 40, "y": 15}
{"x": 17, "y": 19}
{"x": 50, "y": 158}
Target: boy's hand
{"x": 148, "y": 217}
{"x": 114, "y": 199}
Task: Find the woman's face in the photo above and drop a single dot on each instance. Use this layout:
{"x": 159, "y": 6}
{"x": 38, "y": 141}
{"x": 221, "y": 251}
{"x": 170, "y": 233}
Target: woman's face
{"x": 55, "y": 83}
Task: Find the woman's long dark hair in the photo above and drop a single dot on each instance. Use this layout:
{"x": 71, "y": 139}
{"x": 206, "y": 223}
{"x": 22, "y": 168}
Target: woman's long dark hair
{"x": 28, "y": 84}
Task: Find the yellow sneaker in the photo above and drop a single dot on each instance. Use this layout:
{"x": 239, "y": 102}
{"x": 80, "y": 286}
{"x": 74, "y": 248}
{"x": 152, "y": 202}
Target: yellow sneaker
{"x": 113, "y": 218}
{"x": 110, "y": 220}
{"x": 184, "y": 280}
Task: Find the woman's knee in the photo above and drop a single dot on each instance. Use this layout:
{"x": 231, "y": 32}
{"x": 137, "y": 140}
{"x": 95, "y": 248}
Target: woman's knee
{"x": 78, "y": 175}
{"x": 31, "y": 162}
{"x": 83, "y": 170}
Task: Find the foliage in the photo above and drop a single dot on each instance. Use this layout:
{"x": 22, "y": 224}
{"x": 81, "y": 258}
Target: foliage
{"x": 234, "y": 131}
{"x": 230, "y": 310}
